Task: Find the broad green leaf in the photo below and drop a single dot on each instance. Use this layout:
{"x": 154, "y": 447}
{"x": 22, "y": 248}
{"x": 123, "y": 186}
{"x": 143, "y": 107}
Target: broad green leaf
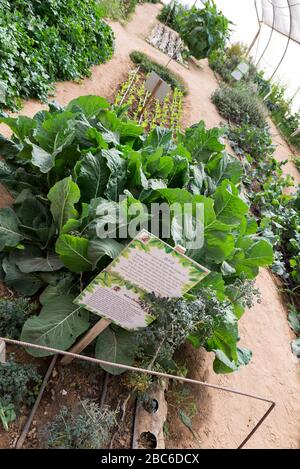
{"x": 35, "y": 218}
{"x": 179, "y": 175}
{"x": 9, "y": 149}
{"x": 222, "y": 363}
{"x": 58, "y": 325}
{"x": 24, "y": 284}
{"x": 103, "y": 247}
{"x": 229, "y": 207}
{"x": 90, "y": 105}
{"x": 92, "y": 175}
{"x": 259, "y": 254}
{"x": 295, "y": 346}
{"x": 76, "y": 224}
{"x": 244, "y": 356}
{"x": 222, "y": 166}
{"x": 21, "y": 126}
{"x": 30, "y": 261}
{"x": 115, "y": 346}
{"x": 62, "y": 287}
{"x": 159, "y": 137}
{"x": 117, "y": 179}
{"x": 202, "y": 142}
{"x": 73, "y": 252}
{"x": 56, "y": 132}
{"x": 224, "y": 343}
{"x": 63, "y": 197}
{"x": 200, "y": 182}
{"x": 294, "y": 320}
{"x": 10, "y": 234}
{"x": 42, "y": 159}
{"x": 135, "y": 173}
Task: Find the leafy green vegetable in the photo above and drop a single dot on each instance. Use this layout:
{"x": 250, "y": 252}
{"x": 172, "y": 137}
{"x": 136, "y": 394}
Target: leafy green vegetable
{"x": 63, "y": 197}
{"x": 204, "y": 30}
{"x": 240, "y": 106}
{"x": 50, "y": 238}
{"x": 44, "y": 42}
{"x": 115, "y": 345}
{"x": 58, "y": 325}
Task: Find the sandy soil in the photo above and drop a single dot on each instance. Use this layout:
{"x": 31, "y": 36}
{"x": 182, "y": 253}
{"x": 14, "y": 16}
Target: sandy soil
{"x": 223, "y": 419}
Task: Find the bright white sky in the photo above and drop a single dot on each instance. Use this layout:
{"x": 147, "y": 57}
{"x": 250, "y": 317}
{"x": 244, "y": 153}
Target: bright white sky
{"x": 242, "y": 14}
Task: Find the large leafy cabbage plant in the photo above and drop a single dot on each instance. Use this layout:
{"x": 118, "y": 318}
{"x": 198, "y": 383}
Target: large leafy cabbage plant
{"x": 66, "y": 163}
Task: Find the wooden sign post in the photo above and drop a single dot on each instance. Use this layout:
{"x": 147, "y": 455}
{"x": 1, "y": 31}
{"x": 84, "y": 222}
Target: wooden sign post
{"x": 146, "y": 265}
{"x": 157, "y": 88}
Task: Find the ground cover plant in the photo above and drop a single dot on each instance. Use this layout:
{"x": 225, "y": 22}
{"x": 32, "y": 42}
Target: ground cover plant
{"x": 43, "y": 42}
{"x": 277, "y": 211}
{"x": 167, "y": 113}
{"x": 13, "y": 314}
{"x": 89, "y": 427}
{"x": 67, "y": 164}
{"x": 239, "y": 106}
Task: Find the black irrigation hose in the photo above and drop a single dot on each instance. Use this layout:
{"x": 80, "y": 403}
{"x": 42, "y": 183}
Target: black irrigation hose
{"x": 28, "y": 423}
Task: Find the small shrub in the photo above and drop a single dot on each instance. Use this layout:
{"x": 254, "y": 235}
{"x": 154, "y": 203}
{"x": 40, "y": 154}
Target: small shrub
{"x": 19, "y": 385}
{"x": 13, "y": 314}
{"x": 240, "y": 106}
{"x": 171, "y": 13}
{"x": 256, "y": 142}
{"x": 18, "y": 382}
{"x": 279, "y": 106}
{"x": 225, "y": 62}
{"x": 148, "y": 65}
{"x": 88, "y": 428}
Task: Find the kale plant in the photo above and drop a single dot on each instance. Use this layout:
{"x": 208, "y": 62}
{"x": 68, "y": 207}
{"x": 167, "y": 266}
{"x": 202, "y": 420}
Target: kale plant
{"x": 19, "y": 386}
{"x": 89, "y": 427}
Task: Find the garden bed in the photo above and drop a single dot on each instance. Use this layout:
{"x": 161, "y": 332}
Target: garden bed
{"x": 133, "y": 95}
{"x": 67, "y": 388}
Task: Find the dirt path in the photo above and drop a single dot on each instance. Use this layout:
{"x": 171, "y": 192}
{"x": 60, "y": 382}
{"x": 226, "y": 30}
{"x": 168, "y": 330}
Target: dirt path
{"x": 223, "y": 420}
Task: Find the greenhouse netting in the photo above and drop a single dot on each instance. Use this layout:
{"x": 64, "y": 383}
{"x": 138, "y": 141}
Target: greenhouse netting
{"x": 272, "y": 27}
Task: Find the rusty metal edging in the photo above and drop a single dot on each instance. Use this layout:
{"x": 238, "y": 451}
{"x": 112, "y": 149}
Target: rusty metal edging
{"x": 158, "y": 374}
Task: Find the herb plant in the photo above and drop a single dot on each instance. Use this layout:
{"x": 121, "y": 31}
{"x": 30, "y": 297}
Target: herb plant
{"x": 18, "y": 386}
{"x": 13, "y": 314}
{"x": 89, "y": 427}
